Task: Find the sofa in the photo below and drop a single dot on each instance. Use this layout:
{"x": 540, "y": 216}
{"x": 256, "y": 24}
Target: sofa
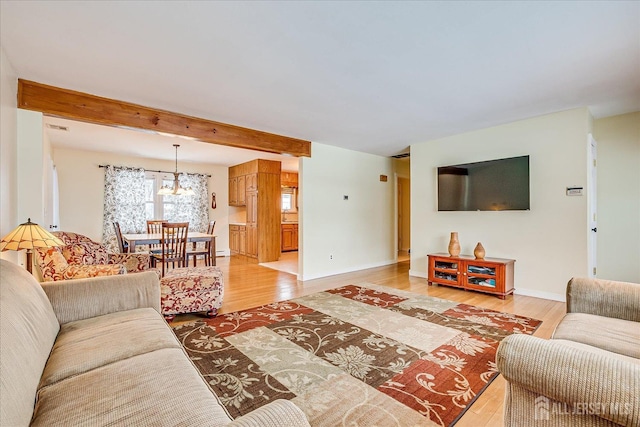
{"x": 81, "y": 257}
{"x": 588, "y": 373}
{"x": 97, "y": 352}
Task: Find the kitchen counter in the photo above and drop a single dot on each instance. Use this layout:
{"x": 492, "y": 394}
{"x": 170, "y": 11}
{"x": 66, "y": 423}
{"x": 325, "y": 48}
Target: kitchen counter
{"x": 237, "y": 223}
{"x": 288, "y": 222}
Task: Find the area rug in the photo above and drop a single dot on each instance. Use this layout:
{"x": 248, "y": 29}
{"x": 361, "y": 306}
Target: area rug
{"x": 359, "y": 355}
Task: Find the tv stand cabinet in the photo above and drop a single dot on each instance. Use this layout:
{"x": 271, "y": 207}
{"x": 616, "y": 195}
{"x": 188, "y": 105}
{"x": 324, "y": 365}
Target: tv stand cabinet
{"x": 489, "y": 275}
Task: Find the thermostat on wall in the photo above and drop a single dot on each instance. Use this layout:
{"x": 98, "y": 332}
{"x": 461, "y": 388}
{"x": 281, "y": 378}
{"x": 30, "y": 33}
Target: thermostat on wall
{"x": 574, "y": 191}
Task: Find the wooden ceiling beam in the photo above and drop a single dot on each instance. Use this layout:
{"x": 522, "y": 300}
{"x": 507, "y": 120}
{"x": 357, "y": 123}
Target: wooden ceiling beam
{"x": 81, "y": 106}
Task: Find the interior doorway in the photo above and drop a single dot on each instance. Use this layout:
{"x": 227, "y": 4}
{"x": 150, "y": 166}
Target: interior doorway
{"x": 404, "y": 218}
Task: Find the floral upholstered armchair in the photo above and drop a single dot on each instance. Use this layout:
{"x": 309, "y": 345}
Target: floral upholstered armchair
{"x": 81, "y": 257}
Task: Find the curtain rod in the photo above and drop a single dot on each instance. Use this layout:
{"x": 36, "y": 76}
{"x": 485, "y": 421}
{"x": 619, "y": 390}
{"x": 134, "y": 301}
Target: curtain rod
{"x": 149, "y": 170}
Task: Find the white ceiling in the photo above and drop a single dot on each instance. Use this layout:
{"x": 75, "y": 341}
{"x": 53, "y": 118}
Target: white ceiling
{"x": 369, "y": 76}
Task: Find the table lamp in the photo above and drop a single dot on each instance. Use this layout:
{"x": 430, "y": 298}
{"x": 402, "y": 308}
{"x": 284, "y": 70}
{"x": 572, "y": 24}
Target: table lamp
{"x": 28, "y": 236}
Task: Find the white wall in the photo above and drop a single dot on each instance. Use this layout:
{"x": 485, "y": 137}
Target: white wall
{"x": 81, "y": 187}
{"x": 30, "y": 154}
{"x": 549, "y": 242}
{"x": 339, "y": 235}
{"x": 618, "y": 168}
{"x": 8, "y": 151}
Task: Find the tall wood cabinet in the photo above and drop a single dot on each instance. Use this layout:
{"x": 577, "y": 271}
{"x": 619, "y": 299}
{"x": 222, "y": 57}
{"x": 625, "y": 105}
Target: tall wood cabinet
{"x": 257, "y": 186}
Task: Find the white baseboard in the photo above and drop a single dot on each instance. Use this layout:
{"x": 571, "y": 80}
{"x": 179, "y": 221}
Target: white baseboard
{"x": 415, "y": 273}
{"x": 541, "y": 294}
{"x": 346, "y": 270}
{"x": 226, "y": 252}
{"x": 519, "y": 291}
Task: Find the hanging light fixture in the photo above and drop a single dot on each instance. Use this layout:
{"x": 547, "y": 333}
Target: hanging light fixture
{"x": 176, "y": 190}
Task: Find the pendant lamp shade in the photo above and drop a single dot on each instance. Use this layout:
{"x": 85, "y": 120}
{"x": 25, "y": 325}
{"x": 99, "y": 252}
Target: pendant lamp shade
{"x": 176, "y": 190}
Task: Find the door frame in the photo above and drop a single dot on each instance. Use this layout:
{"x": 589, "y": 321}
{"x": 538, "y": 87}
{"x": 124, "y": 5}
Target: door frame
{"x": 592, "y": 206}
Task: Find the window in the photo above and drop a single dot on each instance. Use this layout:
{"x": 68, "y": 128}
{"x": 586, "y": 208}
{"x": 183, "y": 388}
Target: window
{"x": 289, "y": 199}
{"x": 286, "y": 202}
{"x": 157, "y": 206}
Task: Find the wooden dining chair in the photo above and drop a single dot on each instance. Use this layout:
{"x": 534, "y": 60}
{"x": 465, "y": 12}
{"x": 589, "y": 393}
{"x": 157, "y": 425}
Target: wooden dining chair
{"x": 173, "y": 245}
{"x": 206, "y": 251}
{"x": 122, "y": 245}
{"x": 154, "y": 226}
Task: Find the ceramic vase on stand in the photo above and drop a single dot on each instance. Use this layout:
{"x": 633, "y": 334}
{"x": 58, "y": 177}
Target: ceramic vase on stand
{"x": 479, "y": 251}
{"x": 454, "y": 244}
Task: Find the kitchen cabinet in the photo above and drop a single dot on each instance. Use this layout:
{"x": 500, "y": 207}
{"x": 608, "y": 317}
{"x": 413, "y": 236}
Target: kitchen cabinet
{"x": 234, "y": 239}
{"x": 237, "y": 192}
{"x": 242, "y": 195}
{"x": 289, "y": 237}
{"x": 233, "y": 191}
{"x": 489, "y": 275}
{"x": 242, "y": 240}
{"x": 238, "y": 239}
{"x": 289, "y": 179}
{"x": 252, "y": 241}
{"x": 251, "y": 182}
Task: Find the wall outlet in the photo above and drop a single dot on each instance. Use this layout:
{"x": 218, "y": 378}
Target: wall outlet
{"x": 345, "y": 197}
{"x": 330, "y": 256}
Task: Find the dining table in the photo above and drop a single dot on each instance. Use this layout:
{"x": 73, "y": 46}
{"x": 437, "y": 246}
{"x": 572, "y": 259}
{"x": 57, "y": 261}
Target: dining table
{"x": 134, "y": 239}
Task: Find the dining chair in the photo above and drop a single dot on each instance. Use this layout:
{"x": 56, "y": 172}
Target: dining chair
{"x": 173, "y": 245}
{"x": 206, "y": 251}
{"x": 122, "y": 245}
{"x": 154, "y": 226}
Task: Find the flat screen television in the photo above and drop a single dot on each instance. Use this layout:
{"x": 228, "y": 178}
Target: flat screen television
{"x": 493, "y": 185}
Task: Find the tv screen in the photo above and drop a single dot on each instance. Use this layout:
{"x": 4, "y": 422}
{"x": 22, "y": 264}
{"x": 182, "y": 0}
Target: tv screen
{"x": 494, "y": 185}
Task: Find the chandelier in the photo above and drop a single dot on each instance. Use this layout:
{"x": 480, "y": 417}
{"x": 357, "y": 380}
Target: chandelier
{"x": 176, "y": 189}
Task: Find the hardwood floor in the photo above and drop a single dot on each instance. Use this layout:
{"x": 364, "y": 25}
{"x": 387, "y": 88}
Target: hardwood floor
{"x": 248, "y": 285}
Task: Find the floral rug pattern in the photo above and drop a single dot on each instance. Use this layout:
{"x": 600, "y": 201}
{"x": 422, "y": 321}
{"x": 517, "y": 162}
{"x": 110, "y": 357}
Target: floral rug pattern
{"x": 360, "y": 355}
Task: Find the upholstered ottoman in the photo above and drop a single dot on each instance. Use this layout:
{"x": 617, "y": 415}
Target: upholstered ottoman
{"x": 190, "y": 290}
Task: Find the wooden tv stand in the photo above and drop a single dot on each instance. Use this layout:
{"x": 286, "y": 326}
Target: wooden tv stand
{"x": 489, "y": 275}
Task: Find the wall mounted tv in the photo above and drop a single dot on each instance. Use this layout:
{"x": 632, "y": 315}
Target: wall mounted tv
{"x": 494, "y": 185}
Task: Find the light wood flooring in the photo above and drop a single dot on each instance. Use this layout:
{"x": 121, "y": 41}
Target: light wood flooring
{"x": 248, "y": 285}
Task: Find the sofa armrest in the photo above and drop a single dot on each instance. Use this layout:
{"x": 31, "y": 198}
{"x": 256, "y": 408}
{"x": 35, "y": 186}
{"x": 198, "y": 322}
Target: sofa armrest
{"x": 279, "y": 413}
{"x": 133, "y": 262}
{"x": 572, "y": 376}
{"x": 608, "y": 298}
{"x": 79, "y": 299}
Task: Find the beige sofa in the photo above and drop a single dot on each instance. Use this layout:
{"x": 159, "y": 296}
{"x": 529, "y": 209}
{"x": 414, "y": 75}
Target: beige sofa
{"x": 588, "y": 374}
{"x": 97, "y": 352}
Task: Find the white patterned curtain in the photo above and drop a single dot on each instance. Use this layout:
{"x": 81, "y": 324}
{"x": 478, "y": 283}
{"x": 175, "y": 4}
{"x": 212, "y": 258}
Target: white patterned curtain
{"x": 192, "y": 209}
{"x": 123, "y": 202}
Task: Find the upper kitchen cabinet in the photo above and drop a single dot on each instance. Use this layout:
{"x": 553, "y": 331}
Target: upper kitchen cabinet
{"x": 289, "y": 179}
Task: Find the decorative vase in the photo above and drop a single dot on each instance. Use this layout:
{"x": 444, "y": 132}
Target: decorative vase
{"x": 454, "y": 244}
{"x": 479, "y": 251}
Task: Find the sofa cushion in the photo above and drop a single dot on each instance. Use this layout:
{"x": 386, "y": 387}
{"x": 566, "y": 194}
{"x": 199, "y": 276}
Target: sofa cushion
{"x": 160, "y": 388}
{"x": 29, "y": 329}
{"x": 615, "y": 335}
{"x": 51, "y": 262}
{"x": 89, "y": 253}
{"x": 88, "y": 344}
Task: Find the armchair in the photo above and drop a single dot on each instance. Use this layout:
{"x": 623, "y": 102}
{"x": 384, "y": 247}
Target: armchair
{"x": 588, "y": 373}
{"x": 81, "y": 257}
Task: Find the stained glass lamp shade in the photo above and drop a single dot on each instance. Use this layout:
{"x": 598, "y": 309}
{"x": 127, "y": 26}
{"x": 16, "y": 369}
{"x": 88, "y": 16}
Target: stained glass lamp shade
{"x": 28, "y": 236}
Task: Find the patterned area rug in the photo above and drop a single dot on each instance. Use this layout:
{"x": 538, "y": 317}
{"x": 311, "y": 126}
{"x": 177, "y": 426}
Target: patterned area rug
{"x": 363, "y": 355}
